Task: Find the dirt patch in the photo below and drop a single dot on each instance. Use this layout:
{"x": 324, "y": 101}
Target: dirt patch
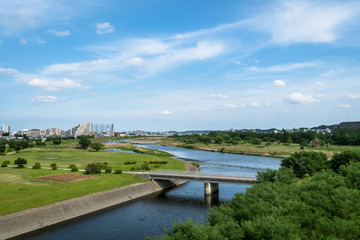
{"x": 65, "y": 177}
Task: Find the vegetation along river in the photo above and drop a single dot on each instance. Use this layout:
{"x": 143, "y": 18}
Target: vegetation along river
{"x": 149, "y": 216}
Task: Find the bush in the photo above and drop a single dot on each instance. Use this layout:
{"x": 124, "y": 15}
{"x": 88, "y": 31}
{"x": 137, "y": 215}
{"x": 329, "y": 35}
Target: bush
{"x": 108, "y": 169}
{"x": 73, "y": 167}
{"x": 3, "y": 165}
{"x": 93, "y": 168}
{"x": 118, "y": 171}
{"x": 129, "y": 163}
{"x": 20, "y": 162}
{"x": 145, "y": 166}
{"x": 132, "y": 169}
{"x": 36, "y": 166}
{"x": 6, "y": 162}
{"x": 53, "y": 166}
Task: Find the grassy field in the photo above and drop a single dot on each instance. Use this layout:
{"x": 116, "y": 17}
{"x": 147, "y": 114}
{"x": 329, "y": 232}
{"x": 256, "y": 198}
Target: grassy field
{"x": 274, "y": 149}
{"x": 20, "y": 190}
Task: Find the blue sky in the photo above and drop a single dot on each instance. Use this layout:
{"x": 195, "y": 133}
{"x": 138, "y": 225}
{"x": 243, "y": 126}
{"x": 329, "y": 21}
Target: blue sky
{"x": 179, "y": 65}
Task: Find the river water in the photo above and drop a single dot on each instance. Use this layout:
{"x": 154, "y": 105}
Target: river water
{"x": 149, "y": 216}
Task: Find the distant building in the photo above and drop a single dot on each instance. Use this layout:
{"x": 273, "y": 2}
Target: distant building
{"x": 351, "y": 125}
{"x": 5, "y": 128}
{"x": 83, "y": 129}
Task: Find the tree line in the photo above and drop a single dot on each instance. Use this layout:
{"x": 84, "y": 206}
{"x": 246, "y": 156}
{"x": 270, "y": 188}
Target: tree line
{"x": 337, "y": 137}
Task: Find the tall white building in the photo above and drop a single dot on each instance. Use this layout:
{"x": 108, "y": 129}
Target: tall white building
{"x": 83, "y": 129}
{"x": 5, "y": 128}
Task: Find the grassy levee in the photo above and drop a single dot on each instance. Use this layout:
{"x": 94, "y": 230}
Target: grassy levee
{"x": 274, "y": 149}
{"x": 20, "y": 190}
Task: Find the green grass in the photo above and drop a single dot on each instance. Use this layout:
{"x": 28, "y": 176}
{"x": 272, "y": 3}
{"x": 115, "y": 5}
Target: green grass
{"x": 19, "y": 190}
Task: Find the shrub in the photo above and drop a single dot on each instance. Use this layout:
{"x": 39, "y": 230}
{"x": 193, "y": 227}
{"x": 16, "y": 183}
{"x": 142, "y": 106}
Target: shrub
{"x": 118, "y": 171}
{"x": 53, "y": 166}
{"x": 20, "y": 162}
{"x": 93, "y": 168}
{"x": 108, "y": 169}
{"x": 145, "y": 166}
{"x": 132, "y": 169}
{"x": 73, "y": 167}
{"x": 6, "y": 162}
{"x": 36, "y": 166}
{"x": 129, "y": 163}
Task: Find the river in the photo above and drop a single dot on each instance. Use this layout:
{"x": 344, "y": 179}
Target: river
{"x": 149, "y": 216}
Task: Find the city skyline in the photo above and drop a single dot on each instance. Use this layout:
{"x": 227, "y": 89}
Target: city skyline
{"x": 179, "y": 65}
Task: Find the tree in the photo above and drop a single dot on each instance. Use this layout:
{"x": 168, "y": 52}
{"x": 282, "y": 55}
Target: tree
{"x": 84, "y": 142}
{"x": 96, "y": 146}
{"x": 2, "y": 148}
{"x": 20, "y": 162}
{"x": 93, "y": 168}
{"x": 343, "y": 158}
{"x": 57, "y": 141}
{"x": 305, "y": 163}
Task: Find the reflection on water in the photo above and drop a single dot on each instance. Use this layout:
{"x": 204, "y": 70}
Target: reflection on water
{"x": 151, "y": 214}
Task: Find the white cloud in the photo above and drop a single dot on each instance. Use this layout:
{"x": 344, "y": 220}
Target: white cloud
{"x": 344, "y": 105}
{"x": 279, "y": 83}
{"x": 105, "y": 27}
{"x": 286, "y": 67}
{"x": 56, "y": 85}
{"x": 59, "y": 33}
{"x": 254, "y": 104}
{"x": 23, "y": 41}
{"x": 137, "y": 61}
{"x": 300, "y": 98}
{"x": 8, "y": 71}
{"x": 166, "y": 112}
{"x": 218, "y": 96}
{"x": 44, "y": 99}
{"x": 353, "y": 96}
{"x": 305, "y": 21}
{"x": 229, "y": 105}
{"x": 36, "y": 40}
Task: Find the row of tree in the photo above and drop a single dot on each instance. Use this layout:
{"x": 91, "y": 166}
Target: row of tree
{"x": 337, "y": 137}
{"x": 307, "y": 198}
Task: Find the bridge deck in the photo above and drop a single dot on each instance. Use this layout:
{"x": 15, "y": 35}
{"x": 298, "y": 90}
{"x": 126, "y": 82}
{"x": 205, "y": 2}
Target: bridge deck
{"x": 198, "y": 177}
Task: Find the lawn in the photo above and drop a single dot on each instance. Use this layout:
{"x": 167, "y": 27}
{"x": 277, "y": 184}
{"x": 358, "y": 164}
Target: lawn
{"x": 20, "y": 190}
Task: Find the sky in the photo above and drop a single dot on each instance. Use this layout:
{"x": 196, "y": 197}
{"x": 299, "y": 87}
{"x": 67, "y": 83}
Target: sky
{"x": 179, "y": 64}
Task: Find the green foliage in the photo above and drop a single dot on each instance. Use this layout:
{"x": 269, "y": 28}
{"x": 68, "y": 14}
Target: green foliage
{"x": 2, "y": 148}
{"x": 4, "y": 164}
{"x": 37, "y": 166}
{"x": 268, "y": 176}
{"x": 73, "y": 168}
{"x": 129, "y": 162}
{"x": 53, "y": 166}
{"x": 305, "y": 163}
{"x": 145, "y": 166}
{"x": 20, "y": 162}
{"x": 108, "y": 169}
{"x": 118, "y": 171}
{"x": 93, "y": 168}
{"x": 84, "y": 142}
{"x": 96, "y": 146}
{"x": 344, "y": 158}
{"x": 57, "y": 141}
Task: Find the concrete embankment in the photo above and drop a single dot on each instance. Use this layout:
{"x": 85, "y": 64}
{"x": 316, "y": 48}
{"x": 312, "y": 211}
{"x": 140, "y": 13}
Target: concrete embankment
{"x": 33, "y": 219}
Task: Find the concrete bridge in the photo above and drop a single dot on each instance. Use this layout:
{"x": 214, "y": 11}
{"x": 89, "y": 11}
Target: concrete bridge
{"x": 211, "y": 182}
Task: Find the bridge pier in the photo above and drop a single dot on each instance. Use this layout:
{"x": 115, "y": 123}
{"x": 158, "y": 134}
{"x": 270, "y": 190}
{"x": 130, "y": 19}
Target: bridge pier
{"x": 211, "y": 188}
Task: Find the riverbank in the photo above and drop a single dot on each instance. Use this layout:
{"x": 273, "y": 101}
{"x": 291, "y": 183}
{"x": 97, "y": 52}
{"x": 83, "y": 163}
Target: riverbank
{"x": 15, "y": 224}
{"x": 275, "y": 150}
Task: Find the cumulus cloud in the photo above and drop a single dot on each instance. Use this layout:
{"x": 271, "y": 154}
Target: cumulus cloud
{"x": 44, "y": 99}
{"x": 166, "y": 112}
{"x": 286, "y": 67}
{"x": 59, "y": 33}
{"x": 56, "y": 85}
{"x": 305, "y": 21}
{"x": 300, "y": 98}
{"x": 8, "y": 71}
{"x": 279, "y": 83}
{"x": 105, "y": 27}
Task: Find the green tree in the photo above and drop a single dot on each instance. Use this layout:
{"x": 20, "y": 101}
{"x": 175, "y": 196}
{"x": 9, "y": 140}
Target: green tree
{"x": 20, "y": 162}
{"x": 93, "y": 168}
{"x": 84, "y": 142}
{"x": 96, "y": 146}
{"x": 57, "y": 141}
{"x": 305, "y": 163}
{"x": 344, "y": 158}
